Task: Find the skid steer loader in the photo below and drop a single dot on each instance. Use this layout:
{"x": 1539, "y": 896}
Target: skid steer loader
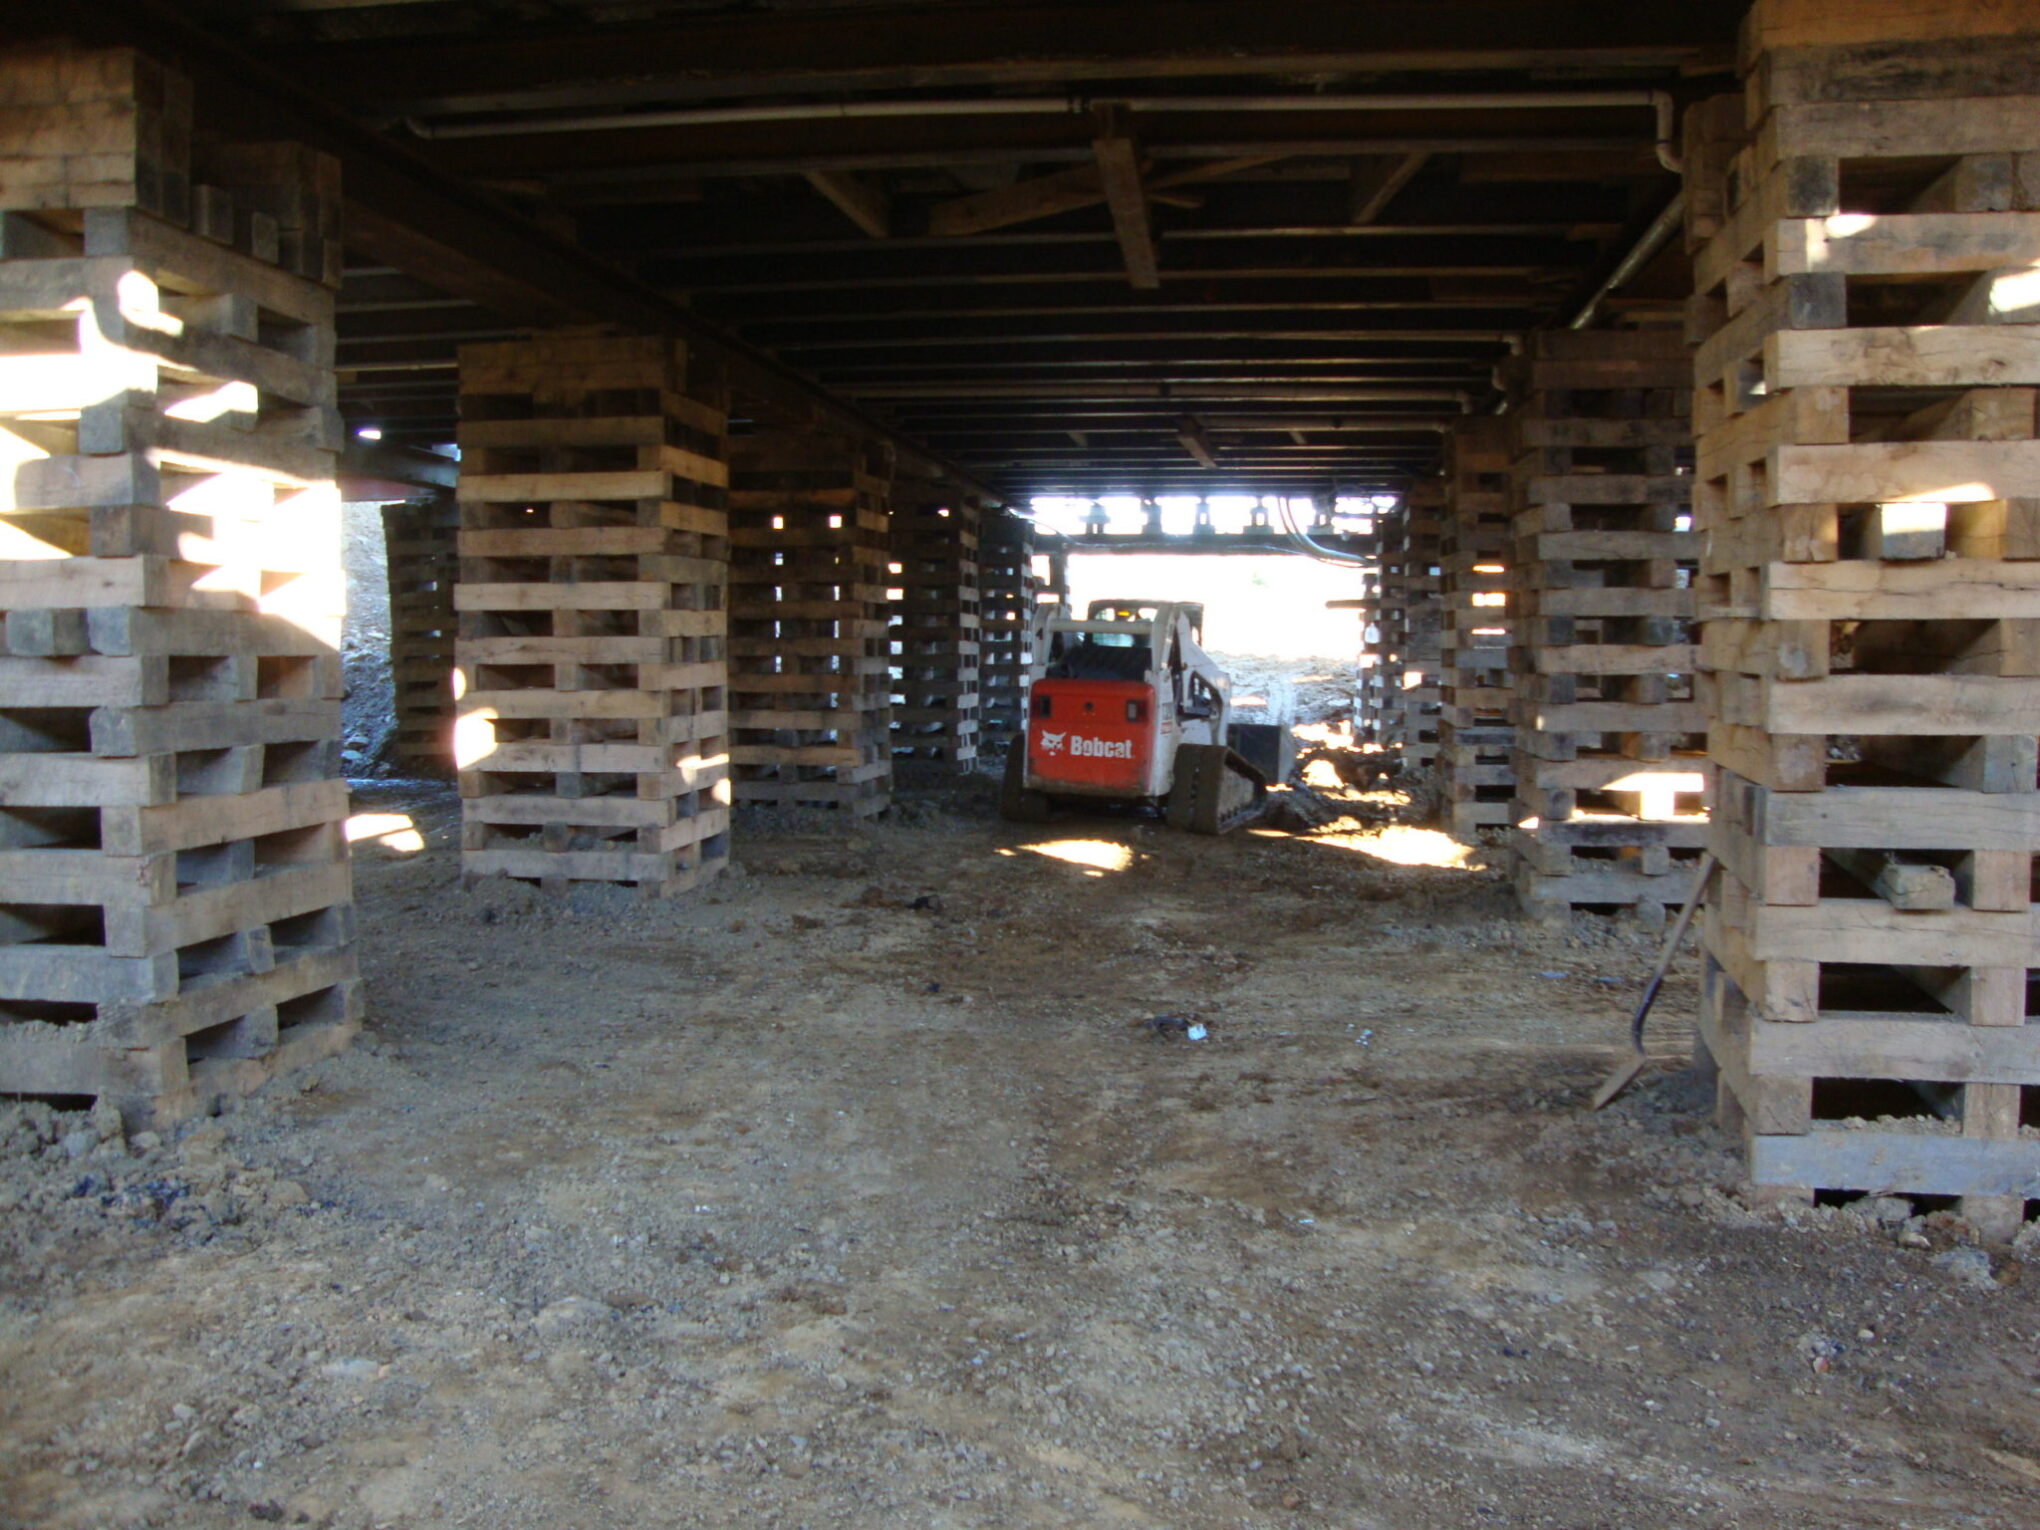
{"x": 1124, "y": 705}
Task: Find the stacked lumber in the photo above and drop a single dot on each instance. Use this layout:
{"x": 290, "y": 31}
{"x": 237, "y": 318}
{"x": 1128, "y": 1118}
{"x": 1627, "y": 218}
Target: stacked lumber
{"x": 1411, "y": 617}
{"x": 111, "y": 128}
{"x": 95, "y": 128}
{"x": 420, "y": 538}
{"x": 936, "y": 638}
{"x": 592, "y": 737}
{"x": 176, "y": 917}
{"x": 1610, "y": 739}
{"x": 1475, "y": 737}
{"x": 810, "y": 681}
{"x": 1008, "y": 591}
{"x": 1869, "y": 482}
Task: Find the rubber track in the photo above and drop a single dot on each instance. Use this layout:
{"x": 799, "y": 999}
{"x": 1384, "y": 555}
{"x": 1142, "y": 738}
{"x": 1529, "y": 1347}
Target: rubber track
{"x": 1218, "y": 770}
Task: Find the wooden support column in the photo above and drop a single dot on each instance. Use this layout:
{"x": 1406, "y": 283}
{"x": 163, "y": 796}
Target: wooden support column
{"x": 1404, "y": 717}
{"x": 1370, "y": 692}
{"x": 1610, "y": 760}
{"x": 810, "y": 681}
{"x": 420, "y": 539}
{"x": 1475, "y": 736}
{"x": 936, "y": 640}
{"x": 1868, "y": 480}
{"x": 176, "y": 904}
{"x": 594, "y": 563}
{"x": 1010, "y": 592}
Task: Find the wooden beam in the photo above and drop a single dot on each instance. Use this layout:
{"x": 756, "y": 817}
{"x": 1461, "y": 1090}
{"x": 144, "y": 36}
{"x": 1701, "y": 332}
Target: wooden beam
{"x": 387, "y": 470}
{"x": 730, "y": 55}
{"x": 860, "y": 199}
{"x": 1375, "y": 183}
{"x": 1196, "y": 442}
{"x": 1044, "y": 196}
{"x": 1119, "y": 173}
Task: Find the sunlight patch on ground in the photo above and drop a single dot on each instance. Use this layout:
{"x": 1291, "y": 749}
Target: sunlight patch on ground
{"x": 1403, "y": 845}
{"x": 1098, "y": 856}
{"x": 391, "y": 831}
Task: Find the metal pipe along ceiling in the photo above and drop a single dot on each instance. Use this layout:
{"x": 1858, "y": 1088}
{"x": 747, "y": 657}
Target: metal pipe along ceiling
{"x": 1660, "y": 102}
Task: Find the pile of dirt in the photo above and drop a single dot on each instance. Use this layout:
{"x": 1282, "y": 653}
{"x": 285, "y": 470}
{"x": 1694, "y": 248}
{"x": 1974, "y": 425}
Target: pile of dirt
{"x": 1291, "y": 691}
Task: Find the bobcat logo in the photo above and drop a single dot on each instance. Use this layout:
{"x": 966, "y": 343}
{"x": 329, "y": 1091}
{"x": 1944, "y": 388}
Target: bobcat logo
{"x": 1051, "y": 742}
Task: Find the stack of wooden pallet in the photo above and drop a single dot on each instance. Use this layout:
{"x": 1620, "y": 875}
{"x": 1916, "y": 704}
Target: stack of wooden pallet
{"x": 1610, "y": 739}
{"x": 1475, "y": 737}
{"x": 810, "y": 683}
{"x": 1007, "y": 597}
{"x": 1412, "y": 613}
{"x": 1869, "y": 481}
{"x": 420, "y": 539}
{"x": 176, "y": 913}
{"x": 1370, "y": 687}
{"x": 936, "y": 641}
{"x": 594, "y": 560}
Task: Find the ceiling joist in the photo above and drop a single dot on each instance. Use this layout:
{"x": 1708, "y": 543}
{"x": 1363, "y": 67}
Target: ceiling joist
{"x": 1286, "y": 252}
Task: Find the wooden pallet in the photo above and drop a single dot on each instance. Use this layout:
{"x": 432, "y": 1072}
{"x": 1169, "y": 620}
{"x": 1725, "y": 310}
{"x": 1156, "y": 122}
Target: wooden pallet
{"x": 810, "y": 682}
{"x": 175, "y": 897}
{"x": 1868, "y": 468}
{"x": 421, "y": 540}
{"x": 594, "y": 720}
{"x": 936, "y": 628}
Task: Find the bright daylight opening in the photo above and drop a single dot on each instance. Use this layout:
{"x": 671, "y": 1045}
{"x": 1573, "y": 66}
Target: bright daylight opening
{"x": 1267, "y": 619}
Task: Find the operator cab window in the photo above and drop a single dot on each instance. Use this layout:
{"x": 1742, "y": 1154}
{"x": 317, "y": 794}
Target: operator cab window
{"x": 1103, "y": 656}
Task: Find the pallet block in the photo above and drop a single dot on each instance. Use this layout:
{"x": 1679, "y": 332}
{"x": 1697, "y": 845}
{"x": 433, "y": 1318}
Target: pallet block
{"x": 592, "y": 737}
{"x": 1865, "y": 399}
{"x": 421, "y": 540}
{"x": 1604, "y": 657}
{"x": 936, "y": 632}
{"x": 176, "y": 915}
{"x": 810, "y": 682}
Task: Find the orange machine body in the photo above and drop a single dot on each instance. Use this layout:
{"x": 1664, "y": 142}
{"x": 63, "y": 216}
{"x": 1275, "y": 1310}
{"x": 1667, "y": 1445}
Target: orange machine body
{"x": 1098, "y": 738}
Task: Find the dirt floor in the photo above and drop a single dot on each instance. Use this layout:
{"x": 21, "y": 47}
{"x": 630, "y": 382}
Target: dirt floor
{"x": 856, "y": 1192}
